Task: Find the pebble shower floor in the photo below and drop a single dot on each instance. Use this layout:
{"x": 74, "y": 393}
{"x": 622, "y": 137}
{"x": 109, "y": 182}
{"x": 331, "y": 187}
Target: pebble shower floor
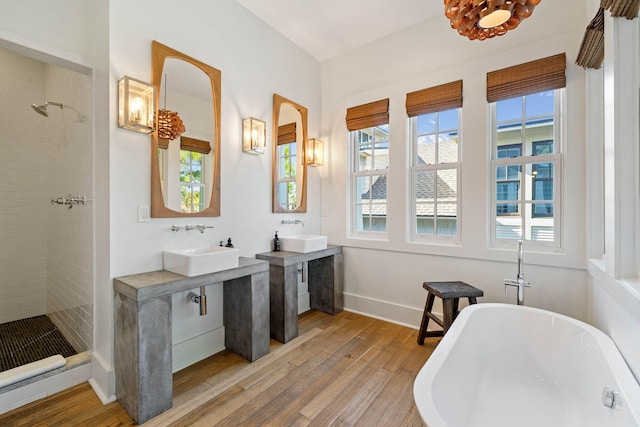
{"x": 29, "y": 340}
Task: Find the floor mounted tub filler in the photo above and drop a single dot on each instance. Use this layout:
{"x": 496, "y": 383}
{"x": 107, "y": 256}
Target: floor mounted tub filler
{"x": 508, "y": 365}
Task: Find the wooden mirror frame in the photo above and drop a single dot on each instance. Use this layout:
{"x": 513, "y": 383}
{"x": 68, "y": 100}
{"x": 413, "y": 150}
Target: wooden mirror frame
{"x": 159, "y": 53}
{"x": 302, "y": 150}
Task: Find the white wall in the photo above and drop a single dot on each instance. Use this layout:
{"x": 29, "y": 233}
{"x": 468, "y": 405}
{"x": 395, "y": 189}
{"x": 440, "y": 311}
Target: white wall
{"x": 384, "y": 278}
{"x": 62, "y": 27}
{"x": 256, "y": 62}
{"x": 614, "y": 215}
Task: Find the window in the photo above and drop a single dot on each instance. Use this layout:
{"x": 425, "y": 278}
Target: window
{"x": 192, "y": 190}
{"x": 371, "y": 161}
{"x": 526, "y": 146}
{"x": 435, "y": 170}
{"x": 287, "y": 161}
{"x": 434, "y": 119}
{"x": 369, "y": 145}
{"x": 525, "y": 164}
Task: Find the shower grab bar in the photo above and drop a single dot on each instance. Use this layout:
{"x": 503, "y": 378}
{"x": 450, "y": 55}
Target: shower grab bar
{"x": 70, "y": 200}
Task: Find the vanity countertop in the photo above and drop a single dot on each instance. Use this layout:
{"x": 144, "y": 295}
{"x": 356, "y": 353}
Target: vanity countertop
{"x": 154, "y": 284}
{"x": 284, "y": 258}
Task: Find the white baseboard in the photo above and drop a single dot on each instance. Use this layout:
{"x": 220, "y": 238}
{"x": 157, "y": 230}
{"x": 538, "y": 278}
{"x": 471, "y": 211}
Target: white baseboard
{"x": 194, "y": 349}
{"x": 387, "y": 311}
{"x": 304, "y": 303}
{"x": 103, "y": 379}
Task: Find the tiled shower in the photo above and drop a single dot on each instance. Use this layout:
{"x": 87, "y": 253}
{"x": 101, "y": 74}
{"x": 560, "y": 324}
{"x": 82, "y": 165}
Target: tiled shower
{"x": 46, "y": 250}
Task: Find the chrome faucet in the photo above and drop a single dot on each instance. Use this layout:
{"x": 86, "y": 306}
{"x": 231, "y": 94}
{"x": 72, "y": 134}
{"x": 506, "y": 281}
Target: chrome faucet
{"x": 189, "y": 227}
{"x": 293, "y": 221}
{"x": 199, "y": 227}
{"x": 202, "y": 227}
{"x": 519, "y": 282}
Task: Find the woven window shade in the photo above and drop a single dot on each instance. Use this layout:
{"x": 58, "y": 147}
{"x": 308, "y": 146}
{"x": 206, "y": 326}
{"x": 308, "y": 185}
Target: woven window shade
{"x": 437, "y": 98}
{"x": 287, "y": 133}
{"x": 196, "y": 145}
{"x": 535, "y": 76}
{"x": 368, "y": 115}
{"x": 163, "y": 143}
{"x": 591, "y": 53}
{"x": 618, "y": 8}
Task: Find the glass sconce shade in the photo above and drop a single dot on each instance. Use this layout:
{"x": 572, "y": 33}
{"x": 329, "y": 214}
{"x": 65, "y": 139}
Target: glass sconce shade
{"x": 136, "y": 105}
{"x": 254, "y": 136}
{"x": 315, "y": 152}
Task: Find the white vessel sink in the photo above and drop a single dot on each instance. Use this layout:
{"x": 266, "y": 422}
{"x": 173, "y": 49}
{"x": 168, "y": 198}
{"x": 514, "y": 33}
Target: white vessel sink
{"x": 196, "y": 261}
{"x": 303, "y": 243}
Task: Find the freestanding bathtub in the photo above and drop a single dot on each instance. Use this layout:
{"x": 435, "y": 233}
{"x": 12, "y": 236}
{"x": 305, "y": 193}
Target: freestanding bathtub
{"x": 508, "y": 365}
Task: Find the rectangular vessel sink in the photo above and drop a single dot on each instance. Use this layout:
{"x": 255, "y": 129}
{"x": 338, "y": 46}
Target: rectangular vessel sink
{"x": 196, "y": 261}
{"x": 303, "y": 243}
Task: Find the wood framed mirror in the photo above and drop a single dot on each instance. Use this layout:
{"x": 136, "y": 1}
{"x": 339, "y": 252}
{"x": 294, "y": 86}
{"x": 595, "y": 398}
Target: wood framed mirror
{"x": 185, "y": 166}
{"x": 289, "y": 167}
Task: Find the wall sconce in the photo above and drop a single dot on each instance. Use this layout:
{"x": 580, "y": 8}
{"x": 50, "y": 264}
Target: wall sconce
{"x": 315, "y": 152}
{"x": 254, "y": 136}
{"x": 136, "y": 105}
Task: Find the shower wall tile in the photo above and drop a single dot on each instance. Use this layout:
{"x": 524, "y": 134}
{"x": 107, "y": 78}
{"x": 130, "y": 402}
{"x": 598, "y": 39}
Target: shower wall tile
{"x": 70, "y": 231}
{"x": 23, "y": 189}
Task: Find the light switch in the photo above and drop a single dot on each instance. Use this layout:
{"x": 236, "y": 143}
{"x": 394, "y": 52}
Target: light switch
{"x": 143, "y": 213}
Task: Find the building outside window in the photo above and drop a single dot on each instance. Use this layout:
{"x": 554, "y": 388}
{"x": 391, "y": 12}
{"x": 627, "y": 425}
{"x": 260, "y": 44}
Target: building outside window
{"x": 542, "y": 180}
{"x": 508, "y": 179}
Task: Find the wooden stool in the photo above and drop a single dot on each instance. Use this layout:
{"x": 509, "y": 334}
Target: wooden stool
{"x": 450, "y": 293}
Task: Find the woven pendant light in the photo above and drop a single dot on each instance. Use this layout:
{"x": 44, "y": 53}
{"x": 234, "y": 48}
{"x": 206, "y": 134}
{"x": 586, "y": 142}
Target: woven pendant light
{"x": 484, "y": 19}
{"x": 170, "y": 125}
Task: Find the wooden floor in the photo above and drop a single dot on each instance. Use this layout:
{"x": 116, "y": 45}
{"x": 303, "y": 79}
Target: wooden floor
{"x": 346, "y": 369}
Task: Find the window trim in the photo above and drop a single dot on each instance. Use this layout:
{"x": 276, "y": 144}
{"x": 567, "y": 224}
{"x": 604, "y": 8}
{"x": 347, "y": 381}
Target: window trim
{"x": 191, "y": 185}
{"x": 354, "y": 175}
{"x": 413, "y": 168}
{"x": 557, "y": 158}
{"x": 281, "y": 155}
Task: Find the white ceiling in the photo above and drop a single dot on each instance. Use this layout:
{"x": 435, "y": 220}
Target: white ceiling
{"x": 326, "y": 28}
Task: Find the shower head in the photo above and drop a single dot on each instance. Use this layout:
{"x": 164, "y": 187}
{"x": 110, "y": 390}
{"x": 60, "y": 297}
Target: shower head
{"x": 42, "y": 109}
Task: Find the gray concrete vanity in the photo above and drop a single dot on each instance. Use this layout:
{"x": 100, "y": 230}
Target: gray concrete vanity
{"x": 325, "y": 269}
{"x": 144, "y": 381}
